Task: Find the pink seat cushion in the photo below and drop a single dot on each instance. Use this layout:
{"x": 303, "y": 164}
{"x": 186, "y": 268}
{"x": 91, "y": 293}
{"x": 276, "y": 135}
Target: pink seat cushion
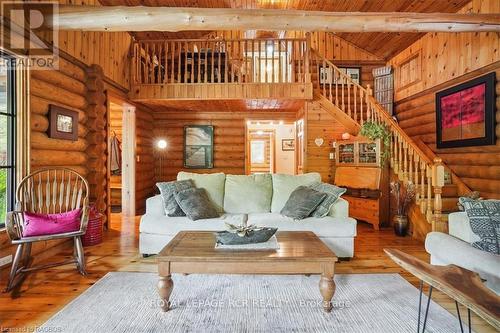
{"x": 51, "y": 224}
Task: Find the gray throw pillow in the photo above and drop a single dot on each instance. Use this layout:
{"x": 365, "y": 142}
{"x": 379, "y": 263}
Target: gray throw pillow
{"x": 332, "y": 192}
{"x": 196, "y": 204}
{"x": 302, "y": 202}
{"x": 167, "y": 190}
{"x": 484, "y": 218}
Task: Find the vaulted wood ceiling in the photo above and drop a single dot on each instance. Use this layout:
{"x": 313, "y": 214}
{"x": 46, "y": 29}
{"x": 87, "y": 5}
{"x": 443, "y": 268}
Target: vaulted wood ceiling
{"x": 383, "y": 45}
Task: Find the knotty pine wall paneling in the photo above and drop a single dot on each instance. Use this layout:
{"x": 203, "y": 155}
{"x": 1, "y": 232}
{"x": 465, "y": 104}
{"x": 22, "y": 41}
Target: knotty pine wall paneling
{"x": 229, "y": 137}
{"x": 320, "y": 124}
{"x": 478, "y": 167}
{"x": 446, "y": 56}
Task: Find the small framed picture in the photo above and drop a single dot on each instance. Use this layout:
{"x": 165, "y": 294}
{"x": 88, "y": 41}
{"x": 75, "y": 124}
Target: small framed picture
{"x": 287, "y": 144}
{"x": 199, "y": 146}
{"x": 63, "y": 123}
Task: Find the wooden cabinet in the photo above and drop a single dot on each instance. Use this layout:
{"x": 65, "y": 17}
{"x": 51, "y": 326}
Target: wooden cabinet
{"x": 358, "y": 169}
{"x": 359, "y": 152}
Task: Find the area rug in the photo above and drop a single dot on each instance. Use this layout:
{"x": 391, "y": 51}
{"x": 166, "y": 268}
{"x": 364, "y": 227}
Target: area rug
{"x": 128, "y": 302}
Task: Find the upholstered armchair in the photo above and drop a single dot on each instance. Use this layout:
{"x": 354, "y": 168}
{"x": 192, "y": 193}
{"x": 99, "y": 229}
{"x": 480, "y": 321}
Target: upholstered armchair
{"x": 47, "y": 191}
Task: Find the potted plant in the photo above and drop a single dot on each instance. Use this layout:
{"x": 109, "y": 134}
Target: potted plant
{"x": 404, "y": 194}
{"x": 373, "y": 131}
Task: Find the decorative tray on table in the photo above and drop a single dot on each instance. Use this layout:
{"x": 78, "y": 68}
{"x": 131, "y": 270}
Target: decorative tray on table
{"x": 246, "y": 237}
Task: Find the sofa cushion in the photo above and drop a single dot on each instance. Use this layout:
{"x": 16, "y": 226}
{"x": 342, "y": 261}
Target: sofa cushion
{"x": 332, "y": 192}
{"x": 195, "y": 203}
{"x": 167, "y": 190}
{"x": 484, "y": 217}
{"x": 302, "y": 202}
{"x": 322, "y": 227}
{"x": 213, "y": 183}
{"x": 284, "y": 185}
{"x": 248, "y": 194}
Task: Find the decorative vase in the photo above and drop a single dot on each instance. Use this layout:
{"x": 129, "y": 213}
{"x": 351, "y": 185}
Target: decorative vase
{"x": 400, "y": 225}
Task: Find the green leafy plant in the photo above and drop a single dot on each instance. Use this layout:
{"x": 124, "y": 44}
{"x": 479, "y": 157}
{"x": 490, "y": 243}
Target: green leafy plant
{"x": 374, "y": 131}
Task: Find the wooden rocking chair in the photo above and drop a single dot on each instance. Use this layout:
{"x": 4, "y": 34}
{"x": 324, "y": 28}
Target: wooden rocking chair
{"x": 46, "y": 191}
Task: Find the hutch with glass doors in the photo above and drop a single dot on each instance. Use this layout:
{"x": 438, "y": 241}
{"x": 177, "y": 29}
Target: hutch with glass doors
{"x": 359, "y": 169}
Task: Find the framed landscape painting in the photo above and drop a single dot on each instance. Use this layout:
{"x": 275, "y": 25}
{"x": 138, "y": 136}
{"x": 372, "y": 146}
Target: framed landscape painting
{"x": 466, "y": 114}
{"x": 199, "y": 146}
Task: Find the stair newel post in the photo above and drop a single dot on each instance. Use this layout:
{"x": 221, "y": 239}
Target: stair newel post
{"x": 428, "y": 212}
{"x": 437, "y": 185}
{"x": 307, "y": 57}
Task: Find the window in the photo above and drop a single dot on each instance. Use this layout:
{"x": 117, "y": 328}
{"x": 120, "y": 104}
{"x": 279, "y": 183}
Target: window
{"x": 7, "y": 137}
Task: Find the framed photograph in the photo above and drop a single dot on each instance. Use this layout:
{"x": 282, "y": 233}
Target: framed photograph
{"x": 199, "y": 146}
{"x": 465, "y": 114}
{"x": 287, "y": 144}
{"x": 63, "y": 123}
{"x": 354, "y": 73}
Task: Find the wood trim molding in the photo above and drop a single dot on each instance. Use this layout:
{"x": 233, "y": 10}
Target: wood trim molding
{"x": 407, "y": 60}
{"x": 23, "y": 123}
{"x": 483, "y": 70}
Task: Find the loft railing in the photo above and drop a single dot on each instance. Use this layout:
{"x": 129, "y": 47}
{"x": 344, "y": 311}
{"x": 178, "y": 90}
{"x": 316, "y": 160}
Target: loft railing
{"x": 407, "y": 160}
{"x": 206, "y": 61}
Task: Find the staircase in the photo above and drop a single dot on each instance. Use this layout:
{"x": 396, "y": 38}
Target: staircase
{"x": 354, "y": 105}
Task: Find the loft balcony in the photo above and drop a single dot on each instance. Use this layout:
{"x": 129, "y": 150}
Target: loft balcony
{"x": 214, "y": 69}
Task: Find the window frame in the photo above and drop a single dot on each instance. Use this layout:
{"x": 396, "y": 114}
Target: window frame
{"x": 11, "y": 115}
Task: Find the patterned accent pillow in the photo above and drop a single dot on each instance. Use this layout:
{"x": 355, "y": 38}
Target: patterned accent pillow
{"x": 332, "y": 192}
{"x": 302, "y": 202}
{"x": 484, "y": 217}
{"x": 196, "y": 204}
{"x": 167, "y": 190}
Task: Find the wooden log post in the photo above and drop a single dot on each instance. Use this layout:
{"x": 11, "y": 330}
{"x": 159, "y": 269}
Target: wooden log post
{"x": 96, "y": 136}
{"x": 437, "y": 186}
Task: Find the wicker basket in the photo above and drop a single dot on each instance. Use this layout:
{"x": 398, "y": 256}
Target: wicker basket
{"x": 93, "y": 236}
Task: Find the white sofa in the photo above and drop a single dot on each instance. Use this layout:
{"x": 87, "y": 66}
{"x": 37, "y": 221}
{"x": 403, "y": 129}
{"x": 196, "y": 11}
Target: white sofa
{"x": 455, "y": 248}
{"x": 337, "y": 230}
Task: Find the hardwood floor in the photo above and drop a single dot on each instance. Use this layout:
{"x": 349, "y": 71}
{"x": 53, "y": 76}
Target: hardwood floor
{"x": 46, "y": 292}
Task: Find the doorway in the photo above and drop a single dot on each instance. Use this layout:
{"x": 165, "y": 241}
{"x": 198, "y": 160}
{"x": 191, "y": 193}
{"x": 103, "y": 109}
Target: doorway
{"x": 121, "y": 156}
{"x": 270, "y": 147}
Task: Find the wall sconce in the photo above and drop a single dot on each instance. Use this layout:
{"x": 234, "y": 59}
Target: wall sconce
{"x": 161, "y": 144}
{"x": 346, "y": 136}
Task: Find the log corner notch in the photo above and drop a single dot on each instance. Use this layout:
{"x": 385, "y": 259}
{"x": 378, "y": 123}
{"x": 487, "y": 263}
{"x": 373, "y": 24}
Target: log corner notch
{"x": 140, "y": 18}
{"x": 96, "y": 137}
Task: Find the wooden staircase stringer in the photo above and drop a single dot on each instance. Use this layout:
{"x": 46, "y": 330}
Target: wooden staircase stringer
{"x": 352, "y": 126}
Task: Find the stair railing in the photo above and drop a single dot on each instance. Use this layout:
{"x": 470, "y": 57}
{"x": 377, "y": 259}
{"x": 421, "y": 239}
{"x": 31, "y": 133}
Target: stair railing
{"x": 407, "y": 160}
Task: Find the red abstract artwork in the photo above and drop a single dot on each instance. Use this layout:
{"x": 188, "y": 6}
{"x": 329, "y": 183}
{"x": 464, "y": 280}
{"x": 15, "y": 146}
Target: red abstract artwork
{"x": 463, "y": 114}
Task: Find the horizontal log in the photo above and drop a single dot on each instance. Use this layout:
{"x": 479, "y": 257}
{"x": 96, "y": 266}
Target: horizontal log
{"x": 57, "y": 94}
{"x": 197, "y": 115}
{"x": 57, "y": 158}
{"x": 40, "y": 106}
{"x": 482, "y": 172}
{"x": 82, "y": 170}
{"x": 471, "y": 158}
{"x": 42, "y": 141}
{"x": 124, "y": 18}
{"x": 60, "y": 79}
{"x": 486, "y": 185}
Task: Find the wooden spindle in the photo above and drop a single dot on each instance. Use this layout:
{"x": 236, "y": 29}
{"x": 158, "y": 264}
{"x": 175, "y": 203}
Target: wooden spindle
{"x": 422, "y": 187}
{"x": 429, "y": 194}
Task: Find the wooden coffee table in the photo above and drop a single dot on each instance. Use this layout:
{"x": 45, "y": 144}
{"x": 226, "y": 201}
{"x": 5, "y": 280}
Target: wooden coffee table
{"x": 193, "y": 252}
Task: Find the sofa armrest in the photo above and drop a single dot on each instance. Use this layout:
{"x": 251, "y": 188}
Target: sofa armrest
{"x": 459, "y": 227}
{"x": 339, "y": 209}
{"x": 446, "y": 249}
{"x": 154, "y": 206}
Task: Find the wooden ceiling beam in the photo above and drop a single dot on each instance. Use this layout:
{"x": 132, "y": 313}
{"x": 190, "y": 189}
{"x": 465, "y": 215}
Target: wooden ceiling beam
{"x": 123, "y": 18}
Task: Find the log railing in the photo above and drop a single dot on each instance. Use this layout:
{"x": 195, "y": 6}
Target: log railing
{"x": 407, "y": 160}
{"x": 205, "y": 61}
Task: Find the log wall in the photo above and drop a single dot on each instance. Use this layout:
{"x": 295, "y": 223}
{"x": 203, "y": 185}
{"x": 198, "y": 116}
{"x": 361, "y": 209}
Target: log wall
{"x": 229, "y": 137}
{"x": 478, "y": 167}
{"x": 445, "y": 56}
{"x": 145, "y": 163}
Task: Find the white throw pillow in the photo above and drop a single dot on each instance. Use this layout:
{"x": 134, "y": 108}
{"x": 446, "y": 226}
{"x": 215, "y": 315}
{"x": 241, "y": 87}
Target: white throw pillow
{"x": 284, "y": 185}
{"x": 248, "y": 194}
{"x": 213, "y": 183}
